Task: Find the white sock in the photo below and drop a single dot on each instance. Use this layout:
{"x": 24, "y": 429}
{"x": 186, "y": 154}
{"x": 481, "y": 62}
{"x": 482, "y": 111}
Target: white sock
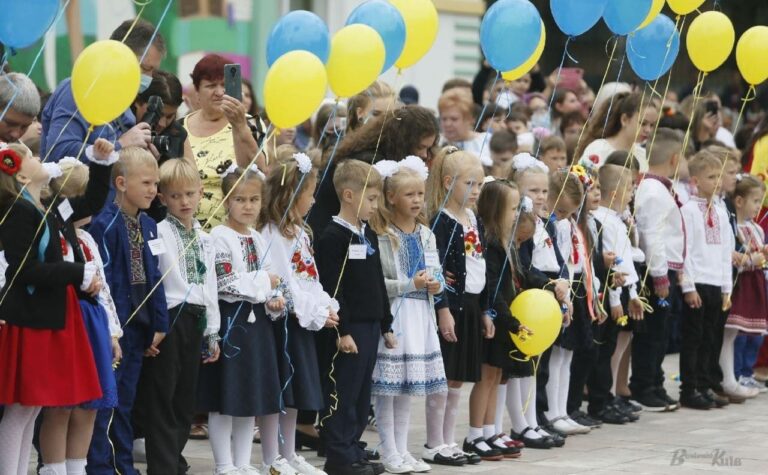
{"x": 402, "y": 411}
{"x": 385, "y": 424}
{"x": 16, "y": 429}
{"x": 435, "y": 412}
{"x": 474, "y": 433}
{"x": 514, "y": 406}
{"x": 242, "y": 440}
{"x": 726, "y": 357}
{"x": 528, "y": 401}
{"x": 489, "y": 430}
{"x": 268, "y": 427}
{"x": 451, "y": 412}
{"x": 622, "y": 343}
{"x": 58, "y": 468}
{"x": 76, "y": 466}
{"x": 501, "y": 403}
{"x": 553, "y": 383}
{"x": 288, "y": 433}
{"x": 565, "y": 379}
{"x": 220, "y": 438}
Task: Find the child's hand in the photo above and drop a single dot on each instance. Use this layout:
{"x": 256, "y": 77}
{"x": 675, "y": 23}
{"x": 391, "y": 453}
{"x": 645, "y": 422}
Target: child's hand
{"x": 420, "y": 279}
{"x": 692, "y": 299}
{"x": 102, "y": 148}
{"x": 636, "y": 309}
{"x": 346, "y": 344}
{"x": 214, "y": 351}
{"x": 333, "y": 319}
{"x": 446, "y": 325}
{"x": 95, "y": 287}
{"x": 117, "y": 352}
{"x": 524, "y": 331}
{"x": 758, "y": 259}
{"x": 433, "y": 286}
{"x": 727, "y": 304}
{"x": 738, "y": 259}
{"x": 619, "y": 279}
{"x": 276, "y": 304}
{"x": 390, "y": 341}
{"x": 489, "y": 330}
{"x": 616, "y": 313}
{"x": 274, "y": 280}
{"x": 450, "y": 279}
{"x": 561, "y": 290}
{"x": 153, "y": 350}
{"x": 609, "y": 258}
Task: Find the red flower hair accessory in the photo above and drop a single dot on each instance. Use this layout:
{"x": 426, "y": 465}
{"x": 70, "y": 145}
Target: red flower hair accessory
{"x": 10, "y": 162}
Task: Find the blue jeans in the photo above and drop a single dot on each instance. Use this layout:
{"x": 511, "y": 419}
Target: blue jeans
{"x": 745, "y": 351}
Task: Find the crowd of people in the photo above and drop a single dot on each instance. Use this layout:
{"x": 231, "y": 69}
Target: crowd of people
{"x": 185, "y": 266}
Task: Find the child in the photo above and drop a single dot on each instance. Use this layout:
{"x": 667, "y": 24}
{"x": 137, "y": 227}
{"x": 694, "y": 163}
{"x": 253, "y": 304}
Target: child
{"x": 349, "y": 259}
{"x": 124, "y": 233}
{"x": 44, "y": 345}
{"x": 552, "y": 153}
{"x": 747, "y": 316}
{"x": 503, "y": 146}
{"x": 245, "y": 383}
{"x": 517, "y": 123}
{"x": 662, "y": 239}
{"x": 169, "y": 376}
{"x": 290, "y": 188}
{"x": 706, "y": 281}
{"x": 454, "y": 186}
{"x": 415, "y": 368}
{"x": 101, "y": 324}
{"x": 498, "y": 208}
{"x": 525, "y": 396}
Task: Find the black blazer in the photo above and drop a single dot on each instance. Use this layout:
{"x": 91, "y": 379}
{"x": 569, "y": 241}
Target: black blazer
{"x": 45, "y": 306}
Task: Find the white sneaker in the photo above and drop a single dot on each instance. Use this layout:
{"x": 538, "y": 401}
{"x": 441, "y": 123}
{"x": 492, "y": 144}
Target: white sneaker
{"x": 395, "y": 464}
{"x": 248, "y": 470}
{"x": 303, "y": 467}
{"x": 579, "y": 428}
{"x": 139, "y": 451}
{"x": 419, "y": 466}
{"x": 279, "y": 467}
{"x": 750, "y": 382}
{"x": 228, "y": 471}
{"x": 564, "y": 427}
{"x": 740, "y": 391}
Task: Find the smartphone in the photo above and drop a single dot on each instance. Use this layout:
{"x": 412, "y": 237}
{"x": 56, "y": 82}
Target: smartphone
{"x": 233, "y": 81}
{"x": 570, "y": 78}
{"x": 712, "y": 107}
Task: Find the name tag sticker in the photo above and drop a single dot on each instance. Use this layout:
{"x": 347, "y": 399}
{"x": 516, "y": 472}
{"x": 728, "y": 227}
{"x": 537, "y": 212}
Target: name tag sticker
{"x": 65, "y": 209}
{"x": 431, "y": 259}
{"x": 357, "y": 251}
{"x": 156, "y": 246}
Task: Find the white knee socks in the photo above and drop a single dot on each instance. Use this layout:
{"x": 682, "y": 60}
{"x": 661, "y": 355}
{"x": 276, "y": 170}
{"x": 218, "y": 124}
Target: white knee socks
{"x": 528, "y": 400}
{"x": 242, "y": 440}
{"x": 16, "y": 429}
{"x": 220, "y": 437}
{"x": 501, "y": 403}
{"x": 515, "y": 406}
{"x": 385, "y": 424}
{"x": 726, "y": 357}
{"x": 451, "y": 412}
{"x": 435, "y": 412}
{"x": 559, "y": 380}
{"x": 565, "y": 380}
{"x": 402, "y": 407}
{"x": 269, "y": 429}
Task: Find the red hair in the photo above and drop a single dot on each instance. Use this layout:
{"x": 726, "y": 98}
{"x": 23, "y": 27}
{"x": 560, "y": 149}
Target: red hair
{"x": 210, "y": 68}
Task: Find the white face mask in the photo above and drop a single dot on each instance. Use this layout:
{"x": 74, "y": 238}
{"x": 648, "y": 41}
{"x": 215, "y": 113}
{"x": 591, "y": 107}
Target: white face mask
{"x": 146, "y": 80}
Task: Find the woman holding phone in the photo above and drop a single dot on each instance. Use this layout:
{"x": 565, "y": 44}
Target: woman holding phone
{"x": 220, "y": 132}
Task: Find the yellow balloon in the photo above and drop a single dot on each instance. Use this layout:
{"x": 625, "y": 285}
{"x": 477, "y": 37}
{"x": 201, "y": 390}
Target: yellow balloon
{"x": 357, "y": 56}
{"x": 538, "y": 310}
{"x": 684, "y": 7}
{"x": 751, "y": 54}
{"x": 710, "y": 40}
{"x": 294, "y": 87}
{"x": 420, "y": 29}
{"x": 529, "y": 63}
{"x": 656, "y": 7}
{"x": 105, "y": 81}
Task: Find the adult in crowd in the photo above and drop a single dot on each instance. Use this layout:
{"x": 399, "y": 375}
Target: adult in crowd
{"x": 19, "y": 106}
{"x": 221, "y": 133}
{"x": 65, "y": 129}
{"x": 457, "y": 123}
{"x": 624, "y": 123}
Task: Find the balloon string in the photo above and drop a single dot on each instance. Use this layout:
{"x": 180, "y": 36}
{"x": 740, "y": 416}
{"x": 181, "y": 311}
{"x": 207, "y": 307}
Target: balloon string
{"x": 154, "y": 33}
{"x": 554, "y": 87}
{"x": 485, "y": 104}
{"x": 613, "y": 96}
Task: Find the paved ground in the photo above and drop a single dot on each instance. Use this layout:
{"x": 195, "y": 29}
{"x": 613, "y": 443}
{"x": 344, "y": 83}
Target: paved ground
{"x": 730, "y": 440}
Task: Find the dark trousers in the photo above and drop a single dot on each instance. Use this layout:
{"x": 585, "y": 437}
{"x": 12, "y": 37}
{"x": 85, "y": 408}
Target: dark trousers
{"x": 649, "y": 343}
{"x": 714, "y": 376}
{"x": 698, "y": 331}
{"x": 745, "y": 351}
{"x": 113, "y": 432}
{"x": 600, "y": 379}
{"x": 167, "y": 391}
{"x": 583, "y": 364}
{"x": 341, "y": 431}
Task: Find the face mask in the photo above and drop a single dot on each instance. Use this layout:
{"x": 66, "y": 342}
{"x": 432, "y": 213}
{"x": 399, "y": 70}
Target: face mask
{"x": 146, "y": 80}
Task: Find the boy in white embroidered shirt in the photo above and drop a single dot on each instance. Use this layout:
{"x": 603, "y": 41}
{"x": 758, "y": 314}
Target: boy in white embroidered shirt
{"x": 706, "y": 281}
{"x": 169, "y": 377}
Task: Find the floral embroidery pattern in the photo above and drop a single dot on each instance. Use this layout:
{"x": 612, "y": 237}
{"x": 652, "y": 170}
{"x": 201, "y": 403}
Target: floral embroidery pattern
{"x": 472, "y": 244}
{"x": 303, "y": 263}
{"x": 249, "y": 251}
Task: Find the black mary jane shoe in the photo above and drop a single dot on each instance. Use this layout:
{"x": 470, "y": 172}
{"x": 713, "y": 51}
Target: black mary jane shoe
{"x": 531, "y": 443}
{"x": 491, "y": 454}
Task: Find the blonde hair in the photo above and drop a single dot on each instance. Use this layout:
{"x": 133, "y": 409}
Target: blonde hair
{"x": 285, "y": 183}
{"x": 382, "y": 220}
{"x": 703, "y": 160}
{"x": 492, "y": 209}
{"x": 378, "y": 90}
{"x": 569, "y": 184}
{"x": 72, "y": 182}
{"x": 355, "y": 175}
{"x": 449, "y": 162}
{"x": 132, "y": 158}
{"x": 10, "y": 188}
{"x": 178, "y": 172}
{"x": 725, "y": 154}
{"x": 518, "y": 175}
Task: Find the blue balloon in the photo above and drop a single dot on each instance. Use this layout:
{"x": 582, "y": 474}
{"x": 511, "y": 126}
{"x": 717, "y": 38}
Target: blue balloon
{"x": 383, "y": 17}
{"x": 24, "y": 22}
{"x": 575, "y": 18}
{"x": 509, "y": 33}
{"x": 624, "y": 16}
{"x": 299, "y": 30}
{"x": 653, "y": 49}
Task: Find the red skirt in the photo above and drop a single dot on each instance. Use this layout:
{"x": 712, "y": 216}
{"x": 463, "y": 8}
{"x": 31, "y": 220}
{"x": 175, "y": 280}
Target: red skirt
{"x": 50, "y": 368}
{"x": 750, "y": 306}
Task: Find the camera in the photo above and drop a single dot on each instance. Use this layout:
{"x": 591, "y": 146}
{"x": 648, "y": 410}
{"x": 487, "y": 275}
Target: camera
{"x": 170, "y": 142}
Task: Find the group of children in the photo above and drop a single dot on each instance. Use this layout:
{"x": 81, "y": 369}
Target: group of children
{"x": 129, "y": 329}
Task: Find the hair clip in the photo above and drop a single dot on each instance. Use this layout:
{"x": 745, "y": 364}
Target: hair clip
{"x": 581, "y": 174}
{"x": 10, "y": 162}
{"x": 231, "y": 169}
{"x": 386, "y": 168}
{"x": 524, "y": 161}
{"x": 303, "y": 162}
{"x": 416, "y": 164}
{"x": 526, "y": 204}
{"x": 54, "y": 169}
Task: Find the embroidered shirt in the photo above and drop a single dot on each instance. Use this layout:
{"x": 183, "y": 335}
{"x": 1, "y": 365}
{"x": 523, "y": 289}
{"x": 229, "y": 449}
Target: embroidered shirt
{"x": 709, "y": 246}
{"x": 136, "y": 248}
